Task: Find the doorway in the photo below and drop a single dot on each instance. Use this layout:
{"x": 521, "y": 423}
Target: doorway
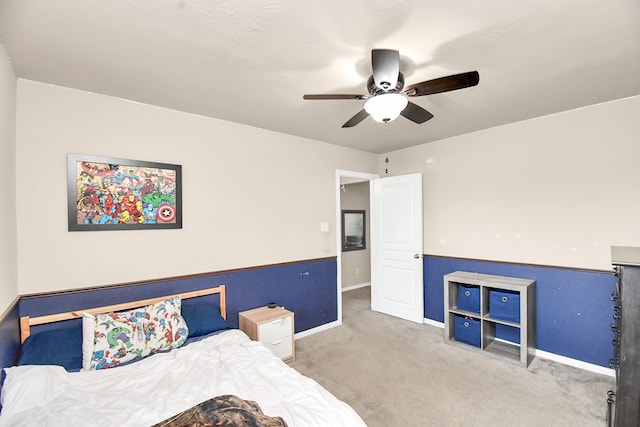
{"x": 346, "y": 180}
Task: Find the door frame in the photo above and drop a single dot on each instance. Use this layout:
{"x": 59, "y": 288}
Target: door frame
{"x": 362, "y": 176}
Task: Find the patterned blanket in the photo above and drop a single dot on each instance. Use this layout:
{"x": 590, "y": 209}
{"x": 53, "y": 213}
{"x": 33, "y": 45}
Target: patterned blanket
{"x": 223, "y": 411}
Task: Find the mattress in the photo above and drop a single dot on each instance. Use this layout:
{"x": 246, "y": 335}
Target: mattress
{"x": 160, "y": 386}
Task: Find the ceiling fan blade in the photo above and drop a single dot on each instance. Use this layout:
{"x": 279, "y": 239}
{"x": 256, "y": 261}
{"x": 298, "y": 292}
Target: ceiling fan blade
{"x": 444, "y": 84}
{"x": 334, "y": 96}
{"x": 416, "y": 113}
{"x": 356, "y": 119}
{"x": 386, "y": 66}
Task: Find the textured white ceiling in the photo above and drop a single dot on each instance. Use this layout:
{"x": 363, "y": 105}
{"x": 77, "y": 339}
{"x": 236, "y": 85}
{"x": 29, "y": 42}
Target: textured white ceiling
{"x": 251, "y": 62}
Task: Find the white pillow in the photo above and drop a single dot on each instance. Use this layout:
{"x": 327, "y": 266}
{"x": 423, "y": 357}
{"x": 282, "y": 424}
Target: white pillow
{"x": 111, "y": 339}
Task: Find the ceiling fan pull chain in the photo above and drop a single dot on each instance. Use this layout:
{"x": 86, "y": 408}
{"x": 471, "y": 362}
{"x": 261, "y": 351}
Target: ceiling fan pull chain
{"x": 386, "y": 144}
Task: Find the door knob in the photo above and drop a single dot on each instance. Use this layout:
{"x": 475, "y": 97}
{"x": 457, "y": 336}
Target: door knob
{"x": 417, "y": 256}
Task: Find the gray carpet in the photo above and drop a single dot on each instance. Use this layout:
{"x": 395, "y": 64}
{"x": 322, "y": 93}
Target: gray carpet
{"x": 397, "y": 373}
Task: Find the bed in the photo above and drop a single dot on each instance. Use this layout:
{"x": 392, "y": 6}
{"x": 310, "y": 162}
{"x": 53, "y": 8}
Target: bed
{"x": 214, "y": 366}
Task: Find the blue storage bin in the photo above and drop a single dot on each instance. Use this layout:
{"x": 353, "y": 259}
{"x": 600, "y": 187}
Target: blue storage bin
{"x": 508, "y": 333}
{"x": 467, "y": 330}
{"x": 469, "y": 298}
{"x": 504, "y": 305}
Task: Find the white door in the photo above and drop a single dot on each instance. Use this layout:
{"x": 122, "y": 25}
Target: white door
{"x": 397, "y": 287}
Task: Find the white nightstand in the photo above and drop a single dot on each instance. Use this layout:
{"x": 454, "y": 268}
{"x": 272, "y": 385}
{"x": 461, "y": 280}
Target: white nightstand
{"x": 273, "y": 327}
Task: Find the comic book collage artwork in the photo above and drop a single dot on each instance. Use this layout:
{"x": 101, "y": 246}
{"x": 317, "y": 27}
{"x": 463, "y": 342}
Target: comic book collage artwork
{"x": 122, "y": 194}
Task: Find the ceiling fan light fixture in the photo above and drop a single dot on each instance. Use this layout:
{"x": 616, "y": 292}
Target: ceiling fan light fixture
{"x": 386, "y": 107}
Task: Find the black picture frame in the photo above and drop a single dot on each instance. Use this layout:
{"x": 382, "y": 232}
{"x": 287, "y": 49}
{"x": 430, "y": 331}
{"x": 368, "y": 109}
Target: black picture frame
{"x": 354, "y": 234}
{"x": 106, "y": 193}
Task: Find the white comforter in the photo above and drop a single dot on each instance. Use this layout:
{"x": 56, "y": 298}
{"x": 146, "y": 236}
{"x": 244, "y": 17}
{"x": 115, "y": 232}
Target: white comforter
{"x": 160, "y": 386}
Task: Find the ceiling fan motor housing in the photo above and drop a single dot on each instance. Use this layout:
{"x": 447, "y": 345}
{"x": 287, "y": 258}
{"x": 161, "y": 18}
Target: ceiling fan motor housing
{"x": 375, "y": 90}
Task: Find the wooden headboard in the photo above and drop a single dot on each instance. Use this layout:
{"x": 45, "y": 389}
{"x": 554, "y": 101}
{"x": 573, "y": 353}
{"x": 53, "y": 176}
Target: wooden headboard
{"x": 26, "y": 322}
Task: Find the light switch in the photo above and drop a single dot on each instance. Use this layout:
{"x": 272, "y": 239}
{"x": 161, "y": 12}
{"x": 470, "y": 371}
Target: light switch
{"x": 324, "y": 227}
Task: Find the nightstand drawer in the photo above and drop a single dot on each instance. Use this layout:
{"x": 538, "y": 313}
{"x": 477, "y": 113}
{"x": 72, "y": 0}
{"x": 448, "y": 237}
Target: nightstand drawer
{"x": 275, "y": 329}
{"x": 281, "y": 347}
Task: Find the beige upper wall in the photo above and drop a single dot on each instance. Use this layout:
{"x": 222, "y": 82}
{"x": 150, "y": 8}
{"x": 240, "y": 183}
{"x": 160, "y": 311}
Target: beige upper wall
{"x": 557, "y": 190}
{"x": 250, "y": 196}
{"x": 8, "y": 237}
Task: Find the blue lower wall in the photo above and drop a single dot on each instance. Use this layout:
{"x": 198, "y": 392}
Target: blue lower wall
{"x": 307, "y": 288}
{"x": 9, "y": 338}
{"x": 573, "y": 307}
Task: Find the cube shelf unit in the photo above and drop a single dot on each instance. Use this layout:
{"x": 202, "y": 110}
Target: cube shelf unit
{"x": 520, "y": 354}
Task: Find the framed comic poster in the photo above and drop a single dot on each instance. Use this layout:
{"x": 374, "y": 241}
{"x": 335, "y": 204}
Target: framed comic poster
{"x": 116, "y": 194}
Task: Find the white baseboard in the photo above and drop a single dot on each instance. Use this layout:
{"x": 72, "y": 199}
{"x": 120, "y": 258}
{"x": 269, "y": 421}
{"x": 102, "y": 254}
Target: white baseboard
{"x": 575, "y": 363}
{"x": 352, "y": 287}
{"x": 434, "y": 323}
{"x": 317, "y": 329}
{"x": 552, "y": 356}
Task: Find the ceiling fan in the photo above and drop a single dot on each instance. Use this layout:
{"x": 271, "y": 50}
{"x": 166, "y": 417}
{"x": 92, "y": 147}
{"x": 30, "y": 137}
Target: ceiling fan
{"x": 388, "y": 98}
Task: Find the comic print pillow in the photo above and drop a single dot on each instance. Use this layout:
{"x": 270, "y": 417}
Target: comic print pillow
{"x": 115, "y": 338}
